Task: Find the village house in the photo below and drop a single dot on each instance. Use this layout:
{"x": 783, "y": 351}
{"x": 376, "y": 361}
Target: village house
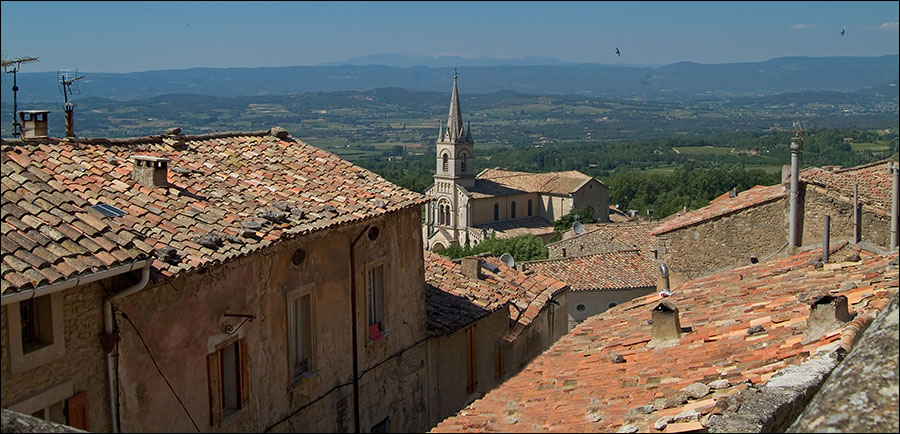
{"x": 467, "y": 208}
{"x": 487, "y": 321}
{"x": 286, "y": 293}
{"x": 737, "y": 351}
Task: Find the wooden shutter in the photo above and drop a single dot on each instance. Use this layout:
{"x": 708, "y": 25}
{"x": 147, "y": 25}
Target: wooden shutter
{"x": 77, "y": 411}
{"x": 215, "y": 388}
{"x": 245, "y": 374}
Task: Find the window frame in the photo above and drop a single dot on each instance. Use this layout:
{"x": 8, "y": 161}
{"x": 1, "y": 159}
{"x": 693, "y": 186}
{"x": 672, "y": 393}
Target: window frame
{"x": 291, "y": 297}
{"x": 215, "y": 380}
{"x": 21, "y": 361}
{"x": 372, "y": 311}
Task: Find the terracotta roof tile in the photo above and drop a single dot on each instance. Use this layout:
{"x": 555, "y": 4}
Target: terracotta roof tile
{"x": 625, "y": 269}
{"x": 722, "y": 206}
{"x": 576, "y": 386}
{"x": 234, "y": 177}
{"x": 454, "y": 301}
{"x": 873, "y": 179}
{"x": 497, "y": 182}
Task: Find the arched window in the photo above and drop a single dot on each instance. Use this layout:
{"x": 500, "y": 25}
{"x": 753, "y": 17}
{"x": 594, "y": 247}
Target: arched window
{"x": 462, "y": 157}
{"x": 496, "y": 211}
{"x": 512, "y": 211}
{"x": 446, "y": 162}
{"x": 529, "y": 207}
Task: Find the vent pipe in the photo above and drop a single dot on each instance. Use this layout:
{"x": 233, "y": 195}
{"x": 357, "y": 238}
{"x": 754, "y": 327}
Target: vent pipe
{"x": 666, "y": 326}
{"x": 826, "y": 239}
{"x": 662, "y": 281}
{"x": 795, "y": 192}
{"x": 895, "y": 236}
{"x": 69, "y": 110}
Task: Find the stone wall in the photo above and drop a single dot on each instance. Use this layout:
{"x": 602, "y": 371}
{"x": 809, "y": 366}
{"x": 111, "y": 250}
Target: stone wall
{"x": 585, "y": 244}
{"x": 725, "y": 242}
{"x": 183, "y": 321}
{"x": 875, "y": 227}
{"x": 84, "y": 363}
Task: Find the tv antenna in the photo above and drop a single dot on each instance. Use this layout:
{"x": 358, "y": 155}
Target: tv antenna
{"x": 11, "y": 66}
{"x": 67, "y": 79}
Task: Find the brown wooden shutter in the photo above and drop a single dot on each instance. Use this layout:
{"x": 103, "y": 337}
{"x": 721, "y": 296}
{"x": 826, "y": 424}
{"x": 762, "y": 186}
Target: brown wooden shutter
{"x": 215, "y": 388}
{"x": 77, "y": 411}
{"x": 245, "y": 374}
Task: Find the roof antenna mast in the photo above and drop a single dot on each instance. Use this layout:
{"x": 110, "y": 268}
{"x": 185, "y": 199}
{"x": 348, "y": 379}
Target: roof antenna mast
{"x": 11, "y": 66}
{"x": 67, "y": 79}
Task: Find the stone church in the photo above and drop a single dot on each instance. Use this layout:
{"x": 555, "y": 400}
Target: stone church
{"x": 467, "y": 208}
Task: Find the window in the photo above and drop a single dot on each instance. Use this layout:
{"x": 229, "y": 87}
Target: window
{"x": 563, "y": 252}
{"x": 512, "y": 210}
{"x": 462, "y": 157}
{"x": 529, "y": 207}
{"x": 580, "y": 307}
{"x": 301, "y": 324}
{"x": 496, "y": 211}
{"x": 37, "y": 323}
{"x": 57, "y": 404}
{"x": 382, "y": 427}
{"x": 446, "y": 162}
{"x": 375, "y": 297}
{"x": 471, "y": 380}
{"x": 229, "y": 380}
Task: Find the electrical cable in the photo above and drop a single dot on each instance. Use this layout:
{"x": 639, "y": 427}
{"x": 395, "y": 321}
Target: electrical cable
{"x": 153, "y": 359}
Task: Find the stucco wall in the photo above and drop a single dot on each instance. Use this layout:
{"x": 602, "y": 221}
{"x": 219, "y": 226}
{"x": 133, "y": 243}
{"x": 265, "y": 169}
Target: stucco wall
{"x": 183, "y": 321}
{"x": 84, "y": 364}
{"x": 596, "y": 302}
{"x": 874, "y": 228}
{"x": 593, "y": 194}
{"x": 484, "y": 208}
{"x": 725, "y": 242}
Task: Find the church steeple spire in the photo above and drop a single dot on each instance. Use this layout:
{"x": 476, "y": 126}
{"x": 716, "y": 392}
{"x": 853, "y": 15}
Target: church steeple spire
{"x": 455, "y": 130}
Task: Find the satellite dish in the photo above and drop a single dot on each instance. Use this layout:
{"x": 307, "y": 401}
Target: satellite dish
{"x": 508, "y": 260}
{"x": 577, "y": 227}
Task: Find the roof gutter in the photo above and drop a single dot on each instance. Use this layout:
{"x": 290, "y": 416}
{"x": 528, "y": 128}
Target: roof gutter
{"x": 71, "y": 283}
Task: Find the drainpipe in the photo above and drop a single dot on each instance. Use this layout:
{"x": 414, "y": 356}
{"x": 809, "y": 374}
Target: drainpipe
{"x": 795, "y": 192}
{"x": 354, "y": 329}
{"x": 856, "y": 232}
{"x": 108, "y": 325}
{"x": 895, "y": 236}
{"x": 826, "y": 238}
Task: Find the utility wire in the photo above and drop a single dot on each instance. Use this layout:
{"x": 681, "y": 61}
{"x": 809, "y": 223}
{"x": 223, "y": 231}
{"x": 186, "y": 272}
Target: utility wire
{"x": 160, "y": 370}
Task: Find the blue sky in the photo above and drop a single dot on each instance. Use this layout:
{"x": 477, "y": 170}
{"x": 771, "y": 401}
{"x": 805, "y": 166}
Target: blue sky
{"x": 139, "y": 36}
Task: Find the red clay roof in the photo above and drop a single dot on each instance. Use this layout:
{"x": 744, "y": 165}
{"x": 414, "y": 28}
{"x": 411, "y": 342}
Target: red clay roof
{"x": 454, "y": 300}
{"x": 229, "y": 193}
{"x": 575, "y": 386}
{"x": 497, "y": 182}
{"x": 722, "y": 206}
{"x": 873, "y": 179}
{"x": 50, "y": 234}
{"x": 625, "y": 269}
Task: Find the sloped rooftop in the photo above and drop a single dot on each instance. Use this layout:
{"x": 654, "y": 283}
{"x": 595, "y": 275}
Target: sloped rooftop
{"x": 454, "y": 300}
{"x": 497, "y": 182}
{"x": 580, "y": 385}
{"x": 228, "y": 194}
{"x": 723, "y": 205}
{"x": 626, "y": 269}
{"x": 873, "y": 179}
{"x": 631, "y": 235}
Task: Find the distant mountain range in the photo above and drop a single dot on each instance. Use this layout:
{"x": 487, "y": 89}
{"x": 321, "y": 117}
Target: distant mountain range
{"x": 406, "y": 61}
{"x": 684, "y": 80}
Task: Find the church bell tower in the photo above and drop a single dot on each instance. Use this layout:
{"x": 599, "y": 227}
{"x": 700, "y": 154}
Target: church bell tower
{"x": 455, "y": 148}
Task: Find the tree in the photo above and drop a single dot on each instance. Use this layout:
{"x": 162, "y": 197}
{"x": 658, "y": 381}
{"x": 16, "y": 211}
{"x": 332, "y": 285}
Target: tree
{"x": 583, "y": 215}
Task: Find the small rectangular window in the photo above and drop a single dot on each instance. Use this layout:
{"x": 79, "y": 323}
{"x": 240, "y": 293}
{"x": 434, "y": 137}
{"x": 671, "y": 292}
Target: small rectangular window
{"x": 375, "y": 296}
{"x": 37, "y": 323}
{"x": 228, "y": 380}
{"x": 300, "y": 320}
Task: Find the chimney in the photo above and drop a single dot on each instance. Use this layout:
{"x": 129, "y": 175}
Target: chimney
{"x": 666, "y": 327}
{"x": 796, "y": 145}
{"x": 733, "y": 193}
{"x": 34, "y": 123}
{"x": 827, "y": 313}
{"x": 471, "y": 267}
{"x": 69, "y": 110}
{"x": 150, "y": 171}
{"x": 173, "y": 137}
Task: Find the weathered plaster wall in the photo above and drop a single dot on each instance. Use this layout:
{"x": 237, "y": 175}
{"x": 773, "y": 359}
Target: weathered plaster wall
{"x": 84, "y": 364}
{"x": 183, "y": 321}
{"x": 484, "y": 208}
{"x": 596, "y": 302}
{"x": 874, "y": 228}
{"x": 725, "y": 242}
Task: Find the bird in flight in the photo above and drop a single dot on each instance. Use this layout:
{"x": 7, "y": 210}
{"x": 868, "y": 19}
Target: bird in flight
{"x": 617, "y": 52}
{"x": 843, "y": 31}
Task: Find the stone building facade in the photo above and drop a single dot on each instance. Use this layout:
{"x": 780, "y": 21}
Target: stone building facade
{"x": 466, "y": 208}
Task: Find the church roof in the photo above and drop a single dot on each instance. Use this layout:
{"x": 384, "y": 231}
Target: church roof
{"x": 498, "y": 182}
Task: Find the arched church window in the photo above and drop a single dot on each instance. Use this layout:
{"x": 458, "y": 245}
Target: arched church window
{"x": 512, "y": 211}
{"x": 463, "y": 156}
{"x": 529, "y": 207}
{"x": 446, "y": 162}
{"x": 496, "y": 211}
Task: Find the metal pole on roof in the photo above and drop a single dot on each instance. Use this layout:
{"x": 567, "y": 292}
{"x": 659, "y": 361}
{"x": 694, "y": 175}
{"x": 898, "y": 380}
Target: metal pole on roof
{"x": 856, "y": 231}
{"x": 796, "y": 144}
{"x": 895, "y": 236}
{"x": 826, "y": 238}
